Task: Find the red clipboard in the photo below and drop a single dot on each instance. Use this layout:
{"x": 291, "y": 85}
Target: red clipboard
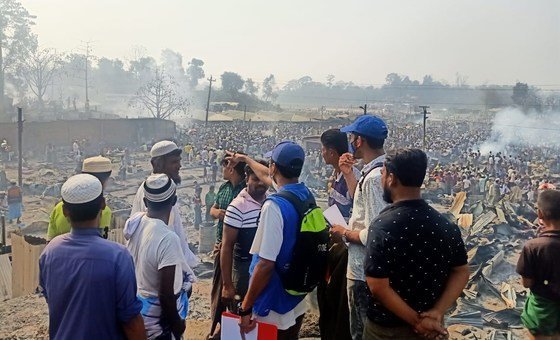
{"x": 266, "y": 331}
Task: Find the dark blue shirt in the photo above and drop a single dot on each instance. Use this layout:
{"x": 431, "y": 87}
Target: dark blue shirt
{"x": 90, "y": 286}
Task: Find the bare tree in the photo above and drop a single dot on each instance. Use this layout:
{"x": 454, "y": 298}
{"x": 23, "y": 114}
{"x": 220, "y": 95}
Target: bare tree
{"x": 39, "y": 70}
{"x": 160, "y": 96}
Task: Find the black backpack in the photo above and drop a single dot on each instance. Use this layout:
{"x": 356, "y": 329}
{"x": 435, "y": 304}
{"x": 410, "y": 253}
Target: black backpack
{"x": 308, "y": 265}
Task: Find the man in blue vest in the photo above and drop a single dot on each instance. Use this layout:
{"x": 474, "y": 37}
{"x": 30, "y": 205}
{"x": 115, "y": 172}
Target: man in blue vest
{"x": 266, "y": 300}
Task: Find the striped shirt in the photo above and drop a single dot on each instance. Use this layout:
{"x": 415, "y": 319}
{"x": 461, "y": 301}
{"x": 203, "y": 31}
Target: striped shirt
{"x": 243, "y": 214}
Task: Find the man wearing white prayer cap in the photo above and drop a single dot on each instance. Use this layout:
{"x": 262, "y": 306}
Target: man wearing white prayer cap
{"x": 88, "y": 282}
{"x": 101, "y": 168}
{"x": 166, "y": 159}
{"x": 159, "y": 261}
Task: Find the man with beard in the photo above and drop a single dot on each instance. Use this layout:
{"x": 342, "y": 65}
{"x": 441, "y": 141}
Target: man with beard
{"x": 240, "y": 226}
{"x": 366, "y": 136}
{"x": 416, "y": 263}
{"x": 234, "y": 174}
{"x": 166, "y": 159}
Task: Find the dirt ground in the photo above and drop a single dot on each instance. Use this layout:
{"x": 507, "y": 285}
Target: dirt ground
{"x": 27, "y": 317}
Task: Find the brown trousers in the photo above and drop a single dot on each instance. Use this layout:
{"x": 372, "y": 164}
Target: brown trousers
{"x": 216, "y": 305}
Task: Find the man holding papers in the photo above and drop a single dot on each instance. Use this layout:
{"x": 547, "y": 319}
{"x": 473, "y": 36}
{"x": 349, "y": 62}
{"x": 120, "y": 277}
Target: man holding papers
{"x": 366, "y": 137}
{"x": 334, "y": 315}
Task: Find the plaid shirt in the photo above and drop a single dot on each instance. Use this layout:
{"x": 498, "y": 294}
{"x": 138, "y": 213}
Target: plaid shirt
{"x": 225, "y": 195}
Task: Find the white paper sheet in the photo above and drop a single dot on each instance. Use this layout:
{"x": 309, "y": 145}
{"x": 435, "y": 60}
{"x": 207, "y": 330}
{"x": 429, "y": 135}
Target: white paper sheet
{"x": 231, "y": 331}
{"x": 334, "y": 216}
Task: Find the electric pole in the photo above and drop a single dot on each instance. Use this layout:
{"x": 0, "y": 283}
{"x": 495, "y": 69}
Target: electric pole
{"x": 86, "y": 71}
{"x": 364, "y": 108}
{"x": 244, "y": 114}
{"x": 425, "y": 113}
{"x": 86, "y": 50}
{"x": 208, "y": 102}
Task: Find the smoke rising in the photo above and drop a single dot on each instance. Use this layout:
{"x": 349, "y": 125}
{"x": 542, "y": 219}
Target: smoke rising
{"x": 513, "y": 127}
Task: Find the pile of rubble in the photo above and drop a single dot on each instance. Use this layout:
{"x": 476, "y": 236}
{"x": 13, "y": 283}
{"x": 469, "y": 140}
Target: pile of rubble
{"x": 494, "y": 237}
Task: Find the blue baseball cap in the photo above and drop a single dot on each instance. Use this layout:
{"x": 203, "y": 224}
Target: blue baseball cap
{"x": 369, "y": 126}
{"x": 287, "y": 154}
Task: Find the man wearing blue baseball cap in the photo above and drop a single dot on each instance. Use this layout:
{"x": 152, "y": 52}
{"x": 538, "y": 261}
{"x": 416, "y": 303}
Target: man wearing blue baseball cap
{"x": 366, "y": 136}
{"x": 267, "y": 299}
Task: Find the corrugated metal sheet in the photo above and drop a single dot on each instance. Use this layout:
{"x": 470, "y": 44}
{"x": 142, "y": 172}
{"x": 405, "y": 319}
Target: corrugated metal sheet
{"x": 25, "y": 265}
{"x": 458, "y": 203}
{"x": 5, "y": 277}
{"x": 116, "y": 235}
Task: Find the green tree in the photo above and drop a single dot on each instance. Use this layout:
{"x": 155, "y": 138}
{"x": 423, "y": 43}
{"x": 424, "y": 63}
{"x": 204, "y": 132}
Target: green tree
{"x": 232, "y": 83}
{"x": 251, "y": 88}
{"x": 195, "y": 72}
{"x": 143, "y": 68}
{"x": 269, "y": 89}
{"x": 393, "y": 79}
{"x": 111, "y": 77}
{"x": 330, "y": 80}
{"x": 520, "y": 94}
{"x": 16, "y": 40}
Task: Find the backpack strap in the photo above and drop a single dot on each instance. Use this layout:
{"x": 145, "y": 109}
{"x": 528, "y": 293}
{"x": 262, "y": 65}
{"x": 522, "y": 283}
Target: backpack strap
{"x": 302, "y": 207}
{"x": 364, "y": 175}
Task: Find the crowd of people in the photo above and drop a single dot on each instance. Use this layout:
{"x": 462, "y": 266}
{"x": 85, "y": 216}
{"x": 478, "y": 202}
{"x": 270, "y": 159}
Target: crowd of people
{"x": 391, "y": 268}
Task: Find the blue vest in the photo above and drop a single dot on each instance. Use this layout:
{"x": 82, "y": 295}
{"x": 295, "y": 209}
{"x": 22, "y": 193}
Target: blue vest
{"x": 274, "y": 297}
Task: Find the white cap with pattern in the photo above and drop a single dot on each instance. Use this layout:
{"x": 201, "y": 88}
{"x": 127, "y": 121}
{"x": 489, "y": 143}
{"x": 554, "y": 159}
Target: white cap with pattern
{"x": 159, "y": 188}
{"x": 82, "y": 188}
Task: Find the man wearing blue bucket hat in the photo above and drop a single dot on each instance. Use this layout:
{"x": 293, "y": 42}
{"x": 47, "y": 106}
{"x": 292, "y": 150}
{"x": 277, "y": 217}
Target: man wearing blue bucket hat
{"x": 366, "y": 137}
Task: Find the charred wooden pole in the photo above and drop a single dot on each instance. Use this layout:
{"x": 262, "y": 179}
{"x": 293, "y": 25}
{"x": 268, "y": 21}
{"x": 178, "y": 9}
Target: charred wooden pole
{"x": 364, "y": 108}
{"x": 208, "y": 102}
{"x": 20, "y": 148}
{"x": 425, "y": 113}
{"x": 3, "y": 241}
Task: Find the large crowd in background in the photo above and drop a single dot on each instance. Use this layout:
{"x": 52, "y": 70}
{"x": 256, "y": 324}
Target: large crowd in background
{"x": 375, "y": 270}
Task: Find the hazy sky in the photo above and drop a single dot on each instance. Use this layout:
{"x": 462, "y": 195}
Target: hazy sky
{"x": 497, "y": 41}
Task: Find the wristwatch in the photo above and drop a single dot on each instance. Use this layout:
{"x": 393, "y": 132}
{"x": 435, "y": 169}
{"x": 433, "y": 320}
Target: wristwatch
{"x": 244, "y": 312}
{"x": 344, "y": 236}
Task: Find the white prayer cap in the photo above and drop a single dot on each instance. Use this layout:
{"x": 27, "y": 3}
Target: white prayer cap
{"x": 163, "y": 148}
{"x": 159, "y": 188}
{"x": 97, "y": 164}
{"x": 82, "y": 188}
